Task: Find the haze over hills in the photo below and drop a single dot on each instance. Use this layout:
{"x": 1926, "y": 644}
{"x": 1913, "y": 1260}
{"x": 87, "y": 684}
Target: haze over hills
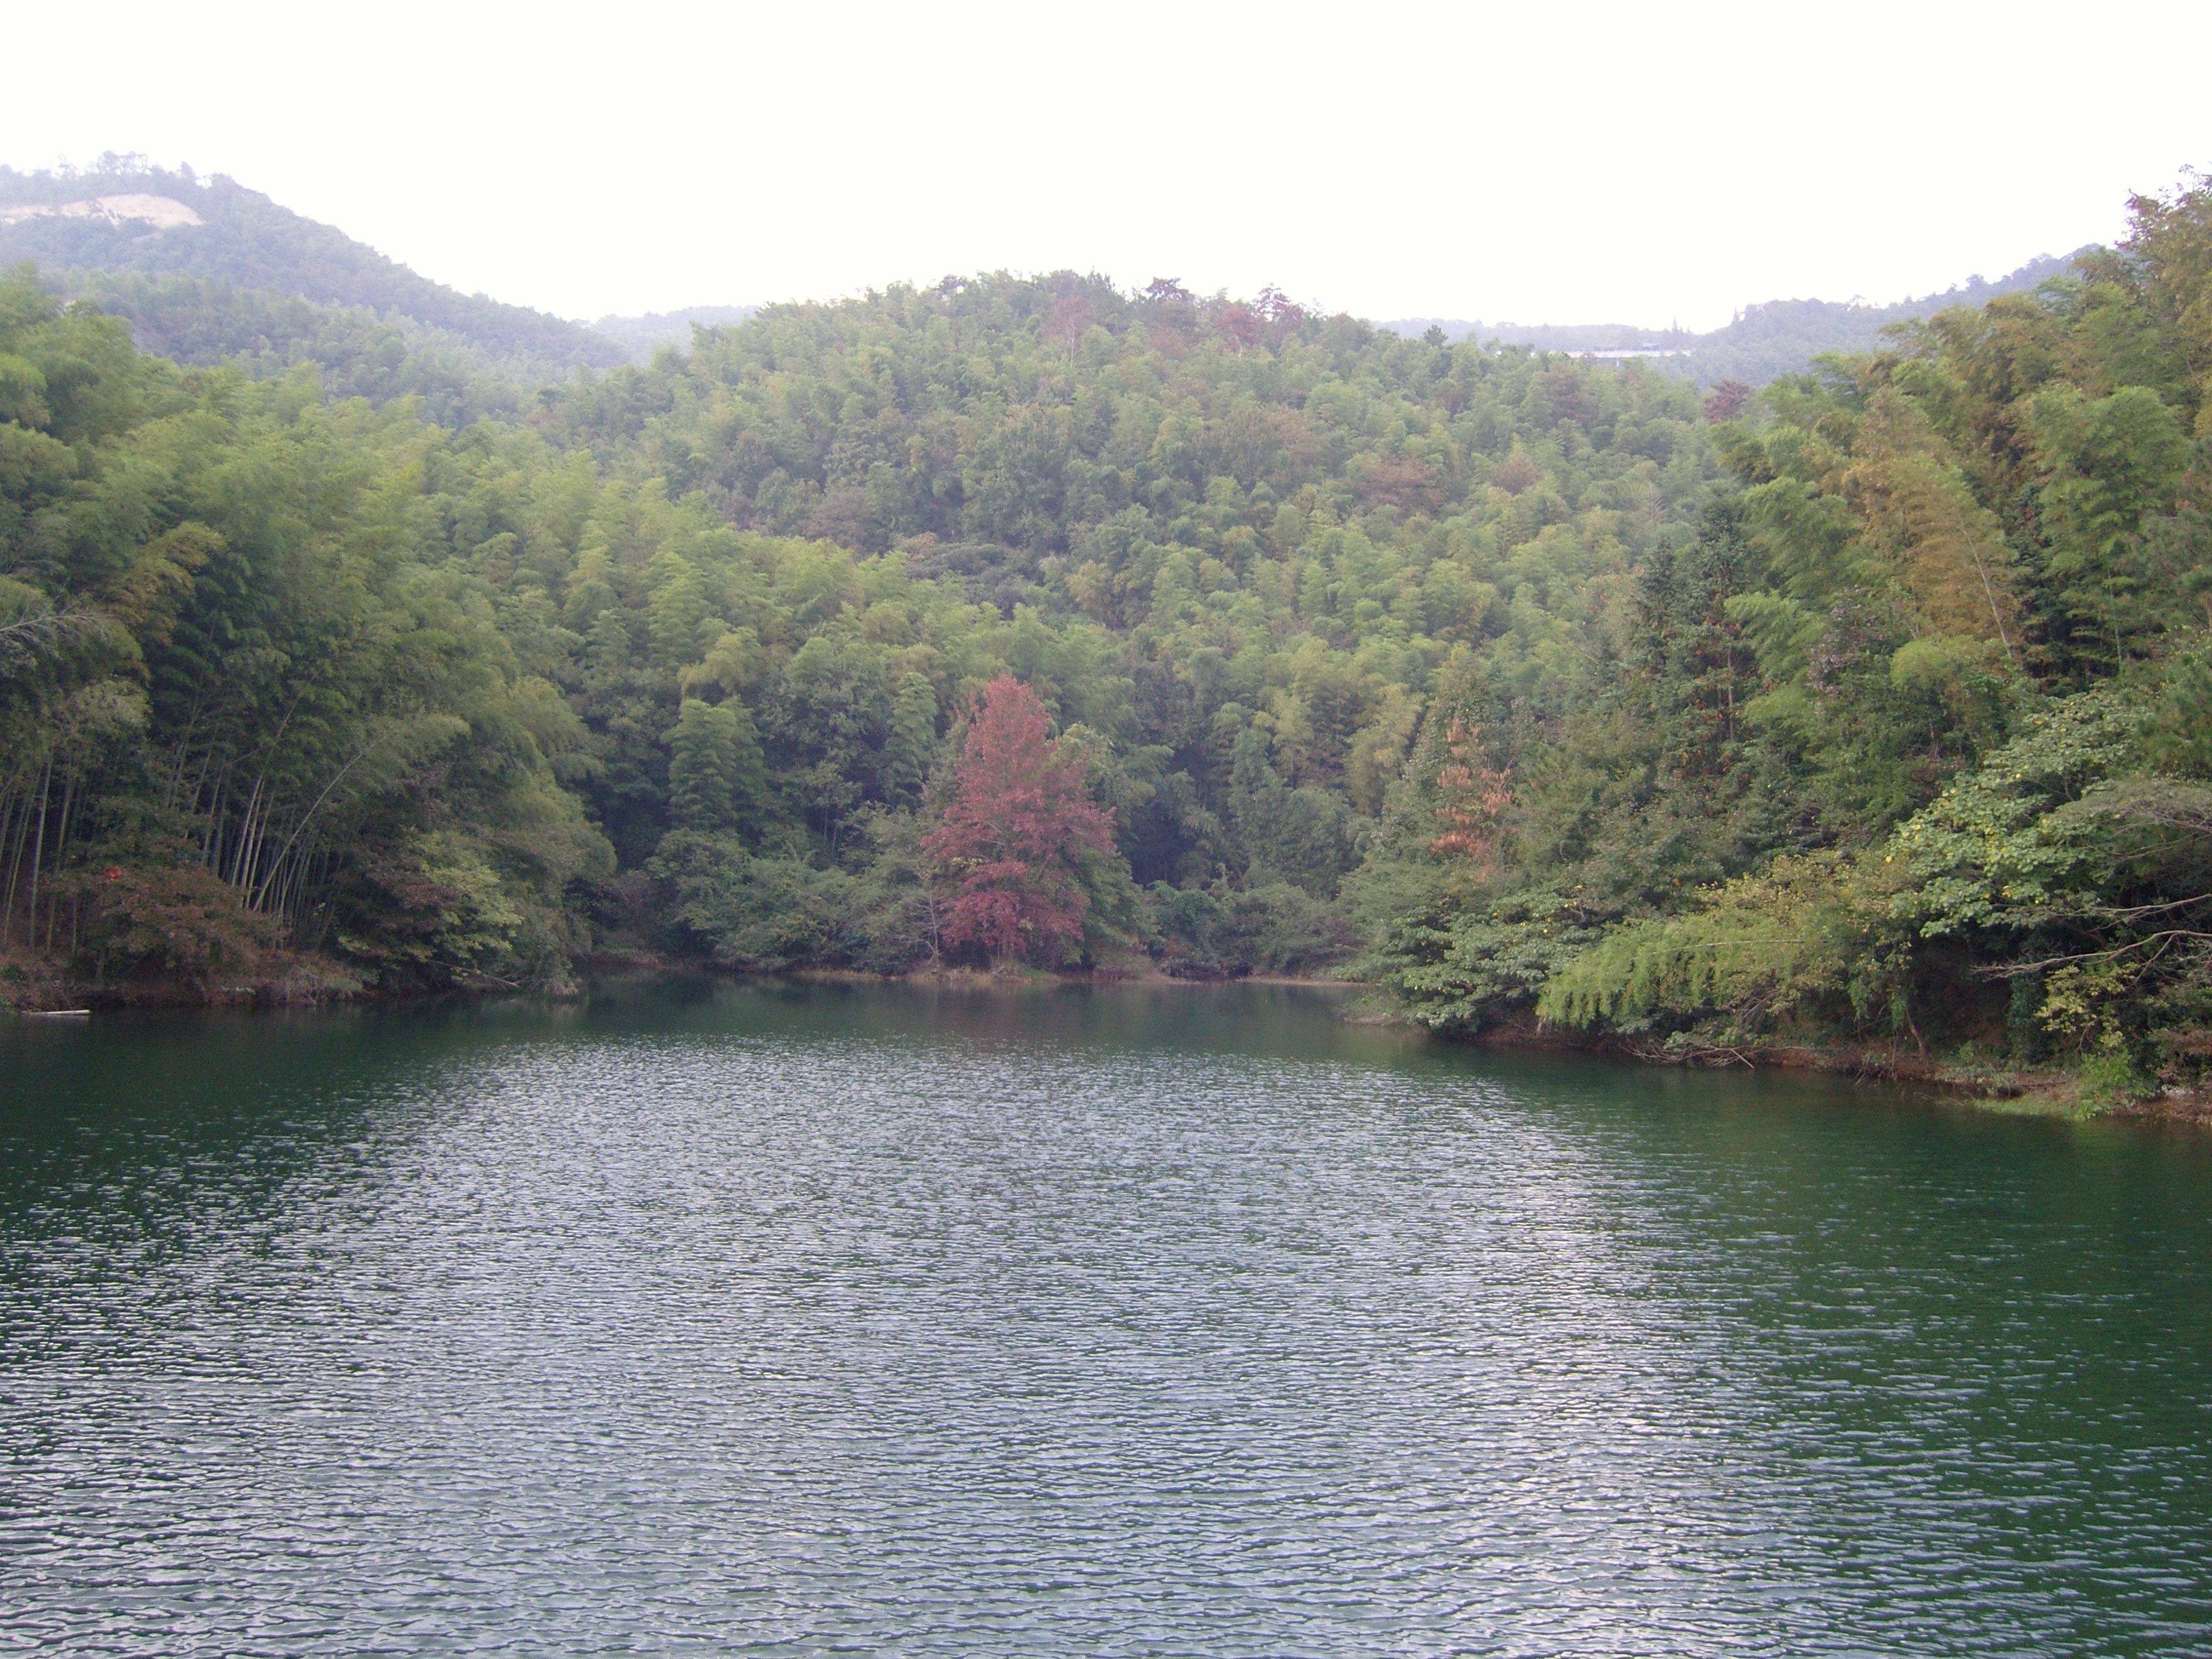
{"x": 124, "y": 218}
{"x": 1781, "y": 336}
{"x": 643, "y": 336}
{"x": 207, "y": 270}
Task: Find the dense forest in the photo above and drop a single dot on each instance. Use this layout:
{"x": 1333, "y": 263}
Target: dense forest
{"x": 1030, "y": 619}
{"x": 641, "y": 336}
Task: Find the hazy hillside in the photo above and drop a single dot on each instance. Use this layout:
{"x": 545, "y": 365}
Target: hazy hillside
{"x": 203, "y": 321}
{"x": 1781, "y": 336}
{"x": 216, "y": 229}
{"x": 208, "y": 271}
{"x": 641, "y": 337}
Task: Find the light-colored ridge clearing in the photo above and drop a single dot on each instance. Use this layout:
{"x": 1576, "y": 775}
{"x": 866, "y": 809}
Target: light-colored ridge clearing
{"x": 162, "y": 212}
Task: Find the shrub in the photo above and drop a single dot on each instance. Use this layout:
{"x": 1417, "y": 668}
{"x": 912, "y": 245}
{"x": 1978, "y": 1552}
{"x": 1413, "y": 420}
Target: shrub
{"x": 182, "y": 923}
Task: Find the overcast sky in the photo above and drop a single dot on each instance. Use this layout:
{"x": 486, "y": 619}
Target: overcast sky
{"x": 1538, "y": 163}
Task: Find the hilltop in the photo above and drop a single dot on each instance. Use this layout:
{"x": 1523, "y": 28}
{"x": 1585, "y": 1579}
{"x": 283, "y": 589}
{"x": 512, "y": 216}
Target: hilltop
{"x": 123, "y": 218}
{"x": 641, "y": 337}
{"x": 208, "y": 271}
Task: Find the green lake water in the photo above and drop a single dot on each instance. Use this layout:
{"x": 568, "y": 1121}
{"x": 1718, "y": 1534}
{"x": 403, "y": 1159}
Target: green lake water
{"x": 719, "y": 1317}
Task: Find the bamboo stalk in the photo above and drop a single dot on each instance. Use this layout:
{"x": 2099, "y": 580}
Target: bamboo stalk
{"x": 38, "y": 855}
{"x": 7, "y": 829}
{"x": 360, "y": 755}
{"x": 15, "y": 868}
{"x": 61, "y": 853}
{"x": 211, "y": 845}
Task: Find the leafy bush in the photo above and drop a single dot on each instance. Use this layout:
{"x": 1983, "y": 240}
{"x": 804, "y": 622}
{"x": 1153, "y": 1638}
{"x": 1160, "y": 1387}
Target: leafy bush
{"x": 760, "y": 913}
{"x": 1218, "y": 932}
{"x": 183, "y": 925}
{"x": 1806, "y": 942}
{"x": 439, "y": 909}
{"x": 1460, "y": 967}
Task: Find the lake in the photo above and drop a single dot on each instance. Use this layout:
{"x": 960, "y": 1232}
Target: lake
{"x": 724, "y": 1317}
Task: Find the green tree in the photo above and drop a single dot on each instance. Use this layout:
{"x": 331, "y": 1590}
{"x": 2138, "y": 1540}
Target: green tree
{"x": 714, "y": 769}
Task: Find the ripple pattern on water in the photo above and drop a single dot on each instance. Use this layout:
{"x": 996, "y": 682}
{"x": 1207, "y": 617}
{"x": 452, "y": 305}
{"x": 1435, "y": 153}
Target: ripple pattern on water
{"x": 780, "y": 1336}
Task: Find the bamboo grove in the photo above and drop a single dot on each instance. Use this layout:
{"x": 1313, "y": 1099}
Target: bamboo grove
{"x": 1869, "y": 706}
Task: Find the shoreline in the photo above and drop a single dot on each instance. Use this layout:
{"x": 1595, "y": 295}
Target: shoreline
{"x": 2042, "y": 1093}
{"x": 31, "y": 987}
{"x": 302, "y": 983}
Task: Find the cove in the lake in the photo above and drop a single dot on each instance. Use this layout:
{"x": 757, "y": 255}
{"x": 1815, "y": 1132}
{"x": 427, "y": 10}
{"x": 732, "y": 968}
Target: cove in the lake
{"x": 769, "y": 1319}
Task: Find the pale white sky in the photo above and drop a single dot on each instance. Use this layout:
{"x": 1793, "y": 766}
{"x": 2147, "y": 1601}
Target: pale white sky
{"x": 1532, "y": 163}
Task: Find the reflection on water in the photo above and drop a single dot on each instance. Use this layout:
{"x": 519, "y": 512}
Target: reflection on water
{"x": 772, "y": 1319}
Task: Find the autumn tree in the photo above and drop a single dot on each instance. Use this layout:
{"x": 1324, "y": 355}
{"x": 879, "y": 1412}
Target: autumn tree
{"x": 1727, "y": 400}
{"x": 1017, "y": 833}
{"x": 1471, "y": 801}
{"x": 1065, "y": 326}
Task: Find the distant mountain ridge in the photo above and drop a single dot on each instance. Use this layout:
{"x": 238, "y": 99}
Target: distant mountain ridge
{"x": 107, "y": 219}
{"x": 208, "y": 272}
{"x": 1781, "y": 336}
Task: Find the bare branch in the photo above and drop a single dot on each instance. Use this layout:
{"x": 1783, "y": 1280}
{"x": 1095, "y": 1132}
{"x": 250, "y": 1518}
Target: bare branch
{"x": 2013, "y": 970}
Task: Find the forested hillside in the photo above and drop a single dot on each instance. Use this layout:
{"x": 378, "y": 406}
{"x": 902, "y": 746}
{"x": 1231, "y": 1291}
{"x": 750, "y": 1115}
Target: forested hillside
{"x": 641, "y": 337}
{"x": 208, "y": 272}
{"x": 244, "y": 240}
{"x": 1029, "y": 619}
{"x": 207, "y": 322}
{"x": 1232, "y": 545}
{"x": 1907, "y": 743}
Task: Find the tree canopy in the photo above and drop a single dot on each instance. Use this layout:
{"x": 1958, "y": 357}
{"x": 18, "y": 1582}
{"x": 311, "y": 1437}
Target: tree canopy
{"x": 1870, "y": 704}
{"x": 1020, "y": 835}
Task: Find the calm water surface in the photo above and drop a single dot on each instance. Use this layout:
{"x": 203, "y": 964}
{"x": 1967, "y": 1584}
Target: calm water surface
{"x": 765, "y": 1320}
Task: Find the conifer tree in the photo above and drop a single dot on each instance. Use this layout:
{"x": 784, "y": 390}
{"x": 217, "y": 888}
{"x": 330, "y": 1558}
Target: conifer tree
{"x": 1015, "y": 835}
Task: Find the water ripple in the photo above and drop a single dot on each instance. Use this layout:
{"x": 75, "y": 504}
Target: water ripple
{"x": 824, "y": 1325}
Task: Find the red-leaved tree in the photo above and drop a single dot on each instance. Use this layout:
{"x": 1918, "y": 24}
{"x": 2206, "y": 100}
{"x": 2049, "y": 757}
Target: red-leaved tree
{"x": 1471, "y": 802}
{"x": 1020, "y": 825}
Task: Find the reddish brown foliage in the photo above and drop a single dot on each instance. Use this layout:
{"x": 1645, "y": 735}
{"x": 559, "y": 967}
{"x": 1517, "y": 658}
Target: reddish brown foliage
{"x": 184, "y": 924}
{"x": 1408, "y": 484}
{"x": 1277, "y": 308}
{"x": 1471, "y": 799}
{"x": 1568, "y": 392}
{"x": 1726, "y": 401}
{"x": 1239, "y": 327}
{"x": 1019, "y": 824}
{"x": 1067, "y": 322}
{"x": 1516, "y": 472}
